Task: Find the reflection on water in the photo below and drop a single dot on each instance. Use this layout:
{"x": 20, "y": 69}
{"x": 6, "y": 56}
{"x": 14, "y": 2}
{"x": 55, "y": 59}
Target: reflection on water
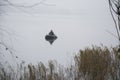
{"x": 74, "y": 32}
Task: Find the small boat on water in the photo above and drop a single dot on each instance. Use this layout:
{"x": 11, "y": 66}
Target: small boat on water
{"x": 51, "y": 37}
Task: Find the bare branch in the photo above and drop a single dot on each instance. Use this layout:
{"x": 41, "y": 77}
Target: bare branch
{"x": 26, "y": 6}
{"x": 114, "y": 7}
{"x": 112, "y": 34}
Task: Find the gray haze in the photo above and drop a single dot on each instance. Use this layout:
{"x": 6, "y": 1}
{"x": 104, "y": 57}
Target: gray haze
{"x": 77, "y": 23}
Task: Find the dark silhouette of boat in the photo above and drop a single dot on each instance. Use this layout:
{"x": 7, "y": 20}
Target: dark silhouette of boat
{"x": 51, "y": 37}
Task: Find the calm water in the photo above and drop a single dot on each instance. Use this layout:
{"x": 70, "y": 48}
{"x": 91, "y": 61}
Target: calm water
{"x": 74, "y": 32}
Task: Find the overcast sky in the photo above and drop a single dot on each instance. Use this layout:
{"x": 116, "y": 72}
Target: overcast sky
{"x": 77, "y": 23}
